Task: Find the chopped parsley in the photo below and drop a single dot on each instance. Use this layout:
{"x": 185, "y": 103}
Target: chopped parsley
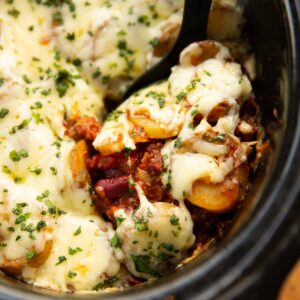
{"x": 72, "y": 274}
{"x": 105, "y": 79}
{"x": 194, "y": 112}
{"x": 63, "y": 81}
{"x": 160, "y": 97}
{"x": 40, "y": 225}
{"x": 218, "y": 138}
{"x": 3, "y": 112}
{"x": 30, "y": 254}
{"x": 37, "y": 105}
{"x": 22, "y": 125}
{"x": 57, "y": 3}
{"x": 22, "y": 218}
{"x": 178, "y": 143}
{"x": 106, "y": 283}
{"x": 19, "y": 208}
{"x": 141, "y": 225}
{"x": 121, "y": 33}
{"x": 154, "y": 42}
{"x": 149, "y": 213}
{"x": 169, "y": 247}
{"x": 73, "y": 251}
{"x": 52, "y": 209}
{"x": 57, "y": 18}
{"x": 181, "y": 96}
{"x": 57, "y": 55}
{"x": 125, "y": 53}
{"x": 127, "y": 151}
{"x": 207, "y": 73}
{"x": 18, "y": 155}
{"x": 36, "y": 170}
{"x": 78, "y": 231}
{"x": 46, "y": 92}
{"x": 114, "y": 115}
{"x": 174, "y": 220}
{"x": 13, "y": 12}
{"x": 43, "y": 195}
{"x": 77, "y": 62}
{"x": 61, "y": 259}
{"x": 143, "y": 19}
{"x": 70, "y": 36}
{"x": 115, "y": 241}
{"x": 26, "y": 79}
{"x": 112, "y": 65}
{"x": 53, "y": 170}
{"x": 119, "y": 220}
{"x": 191, "y": 126}
{"x": 37, "y": 117}
{"x": 96, "y": 74}
{"x": 141, "y": 263}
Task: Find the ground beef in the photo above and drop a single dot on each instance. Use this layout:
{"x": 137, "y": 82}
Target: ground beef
{"x": 114, "y": 177}
{"x": 85, "y": 128}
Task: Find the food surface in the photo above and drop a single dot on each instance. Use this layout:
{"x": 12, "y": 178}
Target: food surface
{"x": 93, "y": 202}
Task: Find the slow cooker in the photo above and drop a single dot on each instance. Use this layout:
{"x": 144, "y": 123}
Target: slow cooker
{"x": 252, "y": 261}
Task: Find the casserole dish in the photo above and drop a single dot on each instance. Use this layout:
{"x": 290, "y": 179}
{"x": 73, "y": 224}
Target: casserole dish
{"x": 228, "y": 270}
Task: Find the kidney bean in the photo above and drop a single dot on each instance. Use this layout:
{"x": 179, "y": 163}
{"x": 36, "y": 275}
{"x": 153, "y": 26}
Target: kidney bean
{"x": 112, "y": 187}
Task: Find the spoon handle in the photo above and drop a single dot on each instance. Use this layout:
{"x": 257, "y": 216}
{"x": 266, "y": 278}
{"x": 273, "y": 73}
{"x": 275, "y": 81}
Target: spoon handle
{"x": 194, "y": 25}
{"x": 193, "y": 28}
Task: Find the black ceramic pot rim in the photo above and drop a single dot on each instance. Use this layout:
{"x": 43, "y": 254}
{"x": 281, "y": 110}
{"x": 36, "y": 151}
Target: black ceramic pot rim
{"x": 239, "y": 263}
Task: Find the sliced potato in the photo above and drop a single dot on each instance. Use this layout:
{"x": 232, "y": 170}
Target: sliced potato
{"x": 224, "y": 23}
{"x": 107, "y": 148}
{"x": 152, "y": 128}
{"x": 169, "y": 34}
{"x": 223, "y": 197}
{"x": 13, "y": 267}
{"x": 41, "y": 257}
{"x": 78, "y": 165}
{"x": 196, "y": 53}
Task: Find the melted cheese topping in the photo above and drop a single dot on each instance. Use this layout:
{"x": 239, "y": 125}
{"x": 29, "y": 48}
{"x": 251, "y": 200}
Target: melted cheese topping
{"x": 153, "y": 236}
{"x": 41, "y": 207}
{"x": 87, "y": 257}
{"x": 58, "y": 61}
{"x": 115, "y": 40}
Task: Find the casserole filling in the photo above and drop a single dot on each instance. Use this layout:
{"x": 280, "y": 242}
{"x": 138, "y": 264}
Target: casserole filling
{"x": 88, "y": 205}
{"x": 178, "y": 144}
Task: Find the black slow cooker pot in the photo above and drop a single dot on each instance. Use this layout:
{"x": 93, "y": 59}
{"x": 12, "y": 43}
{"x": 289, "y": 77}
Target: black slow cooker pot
{"x": 265, "y": 241}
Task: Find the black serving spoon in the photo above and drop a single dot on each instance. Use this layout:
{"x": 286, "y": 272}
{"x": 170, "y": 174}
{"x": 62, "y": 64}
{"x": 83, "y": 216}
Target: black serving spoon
{"x": 193, "y": 28}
